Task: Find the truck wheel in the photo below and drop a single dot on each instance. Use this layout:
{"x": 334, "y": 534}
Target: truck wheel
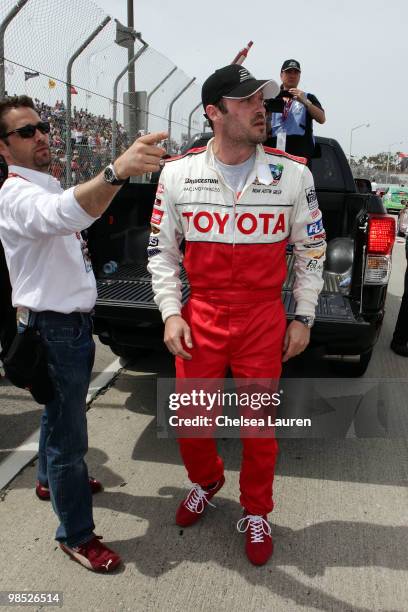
{"x": 344, "y": 369}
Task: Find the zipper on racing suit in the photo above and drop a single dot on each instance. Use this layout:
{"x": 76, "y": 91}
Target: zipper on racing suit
{"x": 248, "y": 183}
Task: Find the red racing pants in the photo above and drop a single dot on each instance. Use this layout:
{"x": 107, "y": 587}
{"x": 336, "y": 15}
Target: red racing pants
{"x": 246, "y": 337}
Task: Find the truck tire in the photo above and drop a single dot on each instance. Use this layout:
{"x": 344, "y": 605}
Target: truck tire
{"x": 344, "y": 369}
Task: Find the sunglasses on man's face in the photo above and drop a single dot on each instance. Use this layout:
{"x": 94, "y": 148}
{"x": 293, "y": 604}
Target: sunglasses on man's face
{"x": 28, "y": 131}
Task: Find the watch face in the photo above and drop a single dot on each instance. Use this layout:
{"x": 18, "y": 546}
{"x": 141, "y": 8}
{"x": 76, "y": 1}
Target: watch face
{"x": 108, "y": 174}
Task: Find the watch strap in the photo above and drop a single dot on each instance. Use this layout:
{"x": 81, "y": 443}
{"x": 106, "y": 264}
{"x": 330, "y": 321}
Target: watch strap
{"x": 308, "y": 321}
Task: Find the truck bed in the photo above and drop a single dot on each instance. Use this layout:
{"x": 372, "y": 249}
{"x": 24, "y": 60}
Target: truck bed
{"x": 131, "y": 286}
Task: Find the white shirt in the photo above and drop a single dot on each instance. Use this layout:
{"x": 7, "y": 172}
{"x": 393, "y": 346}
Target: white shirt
{"x": 39, "y": 229}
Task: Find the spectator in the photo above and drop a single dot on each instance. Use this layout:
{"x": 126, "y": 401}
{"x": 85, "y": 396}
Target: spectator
{"x": 399, "y": 343}
{"x": 40, "y": 227}
{"x": 291, "y": 127}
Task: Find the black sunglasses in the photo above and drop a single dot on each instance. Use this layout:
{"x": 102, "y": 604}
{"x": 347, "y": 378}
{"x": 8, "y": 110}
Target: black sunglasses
{"x": 28, "y": 131}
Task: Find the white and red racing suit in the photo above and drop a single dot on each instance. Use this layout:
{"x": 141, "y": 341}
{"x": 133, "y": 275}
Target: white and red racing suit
{"x": 235, "y": 259}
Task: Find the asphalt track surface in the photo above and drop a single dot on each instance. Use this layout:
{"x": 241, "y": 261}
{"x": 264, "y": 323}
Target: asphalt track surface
{"x": 339, "y": 524}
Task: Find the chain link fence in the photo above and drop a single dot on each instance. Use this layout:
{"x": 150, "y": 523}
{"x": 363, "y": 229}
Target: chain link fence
{"x": 38, "y": 44}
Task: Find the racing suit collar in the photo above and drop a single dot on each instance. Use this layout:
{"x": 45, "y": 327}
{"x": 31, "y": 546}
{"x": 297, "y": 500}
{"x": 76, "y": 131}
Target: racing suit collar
{"x": 261, "y": 169}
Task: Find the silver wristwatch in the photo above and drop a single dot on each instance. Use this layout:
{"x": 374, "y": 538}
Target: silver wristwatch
{"x": 308, "y": 321}
{"x": 109, "y": 176}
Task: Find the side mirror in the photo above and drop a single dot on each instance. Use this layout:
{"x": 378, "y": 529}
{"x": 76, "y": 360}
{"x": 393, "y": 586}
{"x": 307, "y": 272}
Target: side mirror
{"x": 363, "y": 185}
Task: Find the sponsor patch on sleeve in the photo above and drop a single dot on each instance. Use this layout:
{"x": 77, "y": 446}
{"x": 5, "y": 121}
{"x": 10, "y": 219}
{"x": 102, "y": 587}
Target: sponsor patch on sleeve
{"x": 316, "y": 253}
{"x": 160, "y": 189}
{"x": 312, "y": 245}
{"x": 315, "y": 228}
{"x": 153, "y": 241}
{"x": 318, "y": 238}
{"x": 315, "y": 213}
{"x": 153, "y": 252}
{"x": 314, "y": 265}
{"x": 311, "y": 198}
{"x": 157, "y": 202}
{"x": 156, "y": 216}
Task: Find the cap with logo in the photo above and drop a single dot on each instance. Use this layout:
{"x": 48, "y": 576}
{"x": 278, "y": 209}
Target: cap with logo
{"x": 235, "y": 83}
{"x": 290, "y": 64}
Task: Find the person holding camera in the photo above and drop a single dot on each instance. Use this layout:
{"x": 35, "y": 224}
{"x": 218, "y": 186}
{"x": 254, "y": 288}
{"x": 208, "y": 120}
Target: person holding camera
{"x": 291, "y": 115}
{"x": 54, "y": 291}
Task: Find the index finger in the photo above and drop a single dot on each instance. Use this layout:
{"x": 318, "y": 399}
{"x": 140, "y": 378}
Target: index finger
{"x": 288, "y": 352}
{"x": 153, "y": 138}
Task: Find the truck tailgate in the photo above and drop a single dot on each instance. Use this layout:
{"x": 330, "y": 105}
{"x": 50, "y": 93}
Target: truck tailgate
{"x": 130, "y": 287}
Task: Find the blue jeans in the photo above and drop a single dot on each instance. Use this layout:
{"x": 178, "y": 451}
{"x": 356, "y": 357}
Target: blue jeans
{"x": 63, "y": 435}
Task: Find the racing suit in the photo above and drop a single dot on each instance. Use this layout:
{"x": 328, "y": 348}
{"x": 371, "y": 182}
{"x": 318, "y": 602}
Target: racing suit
{"x": 235, "y": 259}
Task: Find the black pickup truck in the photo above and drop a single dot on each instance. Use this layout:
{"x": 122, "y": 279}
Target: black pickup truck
{"x": 350, "y": 311}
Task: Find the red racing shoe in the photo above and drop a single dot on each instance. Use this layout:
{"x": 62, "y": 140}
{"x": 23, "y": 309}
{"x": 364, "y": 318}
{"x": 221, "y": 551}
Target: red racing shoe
{"x": 259, "y": 545}
{"x": 94, "y": 555}
{"x": 192, "y": 507}
{"x": 43, "y": 492}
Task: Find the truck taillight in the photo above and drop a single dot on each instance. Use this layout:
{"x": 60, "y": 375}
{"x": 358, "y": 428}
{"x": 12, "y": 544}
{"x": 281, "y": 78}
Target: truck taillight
{"x": 381, "y": 238}
{"x": 377, "y": 270}
{"x": 381, "y": 234}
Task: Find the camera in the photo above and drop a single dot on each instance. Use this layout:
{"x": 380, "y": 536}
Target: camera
{"x": 276, "y": 105}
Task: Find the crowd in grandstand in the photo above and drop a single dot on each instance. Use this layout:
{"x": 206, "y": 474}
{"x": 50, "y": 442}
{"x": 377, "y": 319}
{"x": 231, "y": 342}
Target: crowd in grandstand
{"x": 91, "y": 141}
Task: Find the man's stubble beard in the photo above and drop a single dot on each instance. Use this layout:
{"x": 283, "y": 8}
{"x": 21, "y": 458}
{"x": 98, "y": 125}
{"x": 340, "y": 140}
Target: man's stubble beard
{"x": 41, "y": 161}
{"x": 256, "y": 140}
{"x": 245, "y": 137}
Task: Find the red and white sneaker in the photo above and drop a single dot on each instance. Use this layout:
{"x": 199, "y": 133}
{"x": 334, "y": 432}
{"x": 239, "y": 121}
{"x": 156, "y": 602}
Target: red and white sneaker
{"x": 43, "y": 492}
{"x": 192, "y": 507}
{"x": 94, "y": 555}
{"x": 259, "y": 545}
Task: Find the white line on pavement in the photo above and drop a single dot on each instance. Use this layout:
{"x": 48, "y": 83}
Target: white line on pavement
{"x": 28, "y": 450}
{"x": 103, "y": 379}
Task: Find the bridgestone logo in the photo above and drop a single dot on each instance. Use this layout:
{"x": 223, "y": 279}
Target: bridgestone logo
{"x": 201, "y": 180}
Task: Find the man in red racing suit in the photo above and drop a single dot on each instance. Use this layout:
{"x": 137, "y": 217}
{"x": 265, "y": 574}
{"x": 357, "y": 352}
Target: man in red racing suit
{"x": 237, "y": 205}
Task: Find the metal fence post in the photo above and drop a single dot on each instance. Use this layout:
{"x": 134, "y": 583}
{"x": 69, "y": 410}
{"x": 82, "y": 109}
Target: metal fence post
{"x": 154, "y": 91}
{"x": 68, "y": 147}
{"x": 3, "y": 26}
{"x": 115, "y": 94}
{"x": 190, "y": 118}
{"x": 171, "y": 110}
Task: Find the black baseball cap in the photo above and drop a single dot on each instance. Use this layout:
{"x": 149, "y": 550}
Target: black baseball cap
{"x": 235, "y": 83}
{"x": 289, "y": 64}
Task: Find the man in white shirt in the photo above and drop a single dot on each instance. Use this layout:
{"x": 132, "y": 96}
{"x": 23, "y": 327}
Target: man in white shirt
{"x": 51, "y": 277}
